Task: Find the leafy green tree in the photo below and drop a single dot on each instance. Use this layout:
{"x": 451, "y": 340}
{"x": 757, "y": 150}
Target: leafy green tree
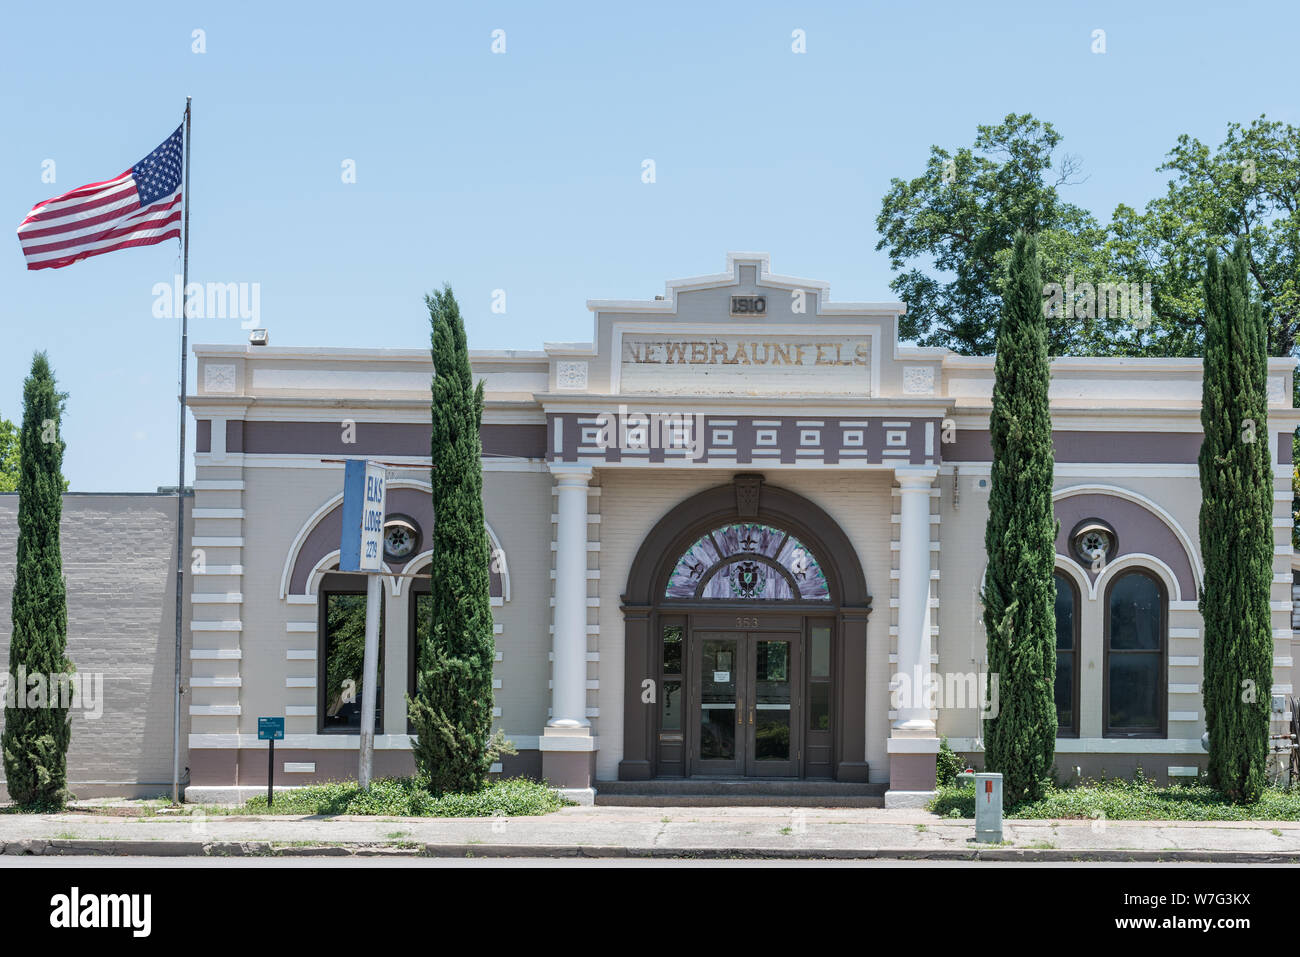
{"x": 960, "y": 217}
{"x": 1248, "y": 191}
{"x": 1019, "y": 592}
{"x": 948, "y": 233}
{"x": 10, "y": 458}
{"x": 452, "y": 708}
{"x": 1236, "y": 530}
{"x": 9, "y": 469}
{"x": 36, "y": 732}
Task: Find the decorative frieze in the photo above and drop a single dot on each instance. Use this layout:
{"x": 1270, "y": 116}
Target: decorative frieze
{"x": 684, "y": 439}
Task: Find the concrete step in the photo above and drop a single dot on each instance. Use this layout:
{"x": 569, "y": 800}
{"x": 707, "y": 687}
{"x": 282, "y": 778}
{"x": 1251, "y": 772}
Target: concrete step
{"x": 738, "y": 800}
{"x": 739, "y": 792}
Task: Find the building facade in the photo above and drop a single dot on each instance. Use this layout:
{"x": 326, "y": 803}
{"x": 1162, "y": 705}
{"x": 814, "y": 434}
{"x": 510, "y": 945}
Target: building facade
{"x": 739, "y": 534}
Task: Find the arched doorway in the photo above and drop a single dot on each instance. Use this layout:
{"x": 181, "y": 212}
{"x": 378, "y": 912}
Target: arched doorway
{"x": 745, "y": 636}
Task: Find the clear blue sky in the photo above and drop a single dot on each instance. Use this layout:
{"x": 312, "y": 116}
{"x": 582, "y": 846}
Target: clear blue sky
{"x": 522, "y": 171}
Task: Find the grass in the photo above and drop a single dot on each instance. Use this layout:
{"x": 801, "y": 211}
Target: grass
{"x": 408, "y": 797}
{"x": 1121, "y": 800}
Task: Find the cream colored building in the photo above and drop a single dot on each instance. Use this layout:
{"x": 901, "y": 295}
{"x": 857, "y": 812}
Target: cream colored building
{"x": 722, "y": 530}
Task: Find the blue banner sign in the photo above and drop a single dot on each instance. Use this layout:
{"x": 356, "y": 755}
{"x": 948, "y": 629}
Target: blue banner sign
{"x": 365, "y": 492}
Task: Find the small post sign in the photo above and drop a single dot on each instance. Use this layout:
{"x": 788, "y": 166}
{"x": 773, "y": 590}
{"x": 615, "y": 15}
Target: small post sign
{"x": 270, "y": 730}
{"x": 365, "y": 492}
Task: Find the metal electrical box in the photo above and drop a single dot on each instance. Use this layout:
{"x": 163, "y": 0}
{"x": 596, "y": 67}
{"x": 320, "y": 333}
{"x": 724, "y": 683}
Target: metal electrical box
{"x": 988, "y": 805}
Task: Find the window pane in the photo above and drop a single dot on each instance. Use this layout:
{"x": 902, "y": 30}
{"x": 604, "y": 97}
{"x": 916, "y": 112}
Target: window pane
{"x": 672, "y": 706}
{"x": 1065, "y": 690}
{"x": 821, "y": 652}
{"x": 718, "y": 699}
{"x": 423, "y": 613}
{"x": 345, "y": 646}
{"x": 419, "y": 634}
{"x": 1135, "y": 691}
{"x": 1064, "y": 613}
{"x": 672, "y": 649}
{"x": 1136, "y": 614}
{"x": 772, "y": 735}
{"x": 819, "y": 706}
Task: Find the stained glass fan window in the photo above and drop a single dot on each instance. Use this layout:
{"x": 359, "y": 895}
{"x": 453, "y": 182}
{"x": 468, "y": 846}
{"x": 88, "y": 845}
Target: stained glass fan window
{"x": 747, "y": 561}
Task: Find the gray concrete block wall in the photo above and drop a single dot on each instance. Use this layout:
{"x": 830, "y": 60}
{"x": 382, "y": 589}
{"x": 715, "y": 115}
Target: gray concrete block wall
{"x": 119, "y": 560}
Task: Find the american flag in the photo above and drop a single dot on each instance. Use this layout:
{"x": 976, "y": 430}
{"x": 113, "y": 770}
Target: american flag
{"x": 139, "y": 208}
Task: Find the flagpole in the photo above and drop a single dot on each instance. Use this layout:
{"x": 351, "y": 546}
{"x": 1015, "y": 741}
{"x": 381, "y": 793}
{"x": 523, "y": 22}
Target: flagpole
{"x": 180, "y": 465}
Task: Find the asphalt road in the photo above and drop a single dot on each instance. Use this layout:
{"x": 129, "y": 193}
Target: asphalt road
{"x": 544, "y": 862}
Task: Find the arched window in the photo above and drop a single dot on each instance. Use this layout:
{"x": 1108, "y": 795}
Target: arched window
{"x": 1067, "y": 656}
{"x": 1136, "y": 639}
{"x": 748, "y": 561}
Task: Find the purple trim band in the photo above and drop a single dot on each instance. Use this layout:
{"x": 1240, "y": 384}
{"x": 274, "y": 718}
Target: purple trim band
{"x": 1164, "y": 448}
{"x": 371, "y": 438}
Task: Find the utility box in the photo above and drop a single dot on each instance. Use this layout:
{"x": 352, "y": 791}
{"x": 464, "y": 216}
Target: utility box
{"x": 988, "y": 805}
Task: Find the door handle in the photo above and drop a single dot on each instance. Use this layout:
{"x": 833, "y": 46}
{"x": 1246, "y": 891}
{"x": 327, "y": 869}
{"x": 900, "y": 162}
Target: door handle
{"x": 751, "y": 715}
{"x": 740, "y": 712}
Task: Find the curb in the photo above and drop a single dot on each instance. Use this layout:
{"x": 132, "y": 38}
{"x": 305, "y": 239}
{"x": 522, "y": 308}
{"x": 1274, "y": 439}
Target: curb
{"x": 104, "y": 848}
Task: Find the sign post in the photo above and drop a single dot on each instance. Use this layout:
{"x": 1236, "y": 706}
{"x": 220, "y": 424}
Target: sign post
{"x": 270, "y": 730}
{"x": 361, "y": 549}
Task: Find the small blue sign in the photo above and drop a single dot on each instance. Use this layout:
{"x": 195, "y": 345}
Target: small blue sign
{"x": 270, "y": 729}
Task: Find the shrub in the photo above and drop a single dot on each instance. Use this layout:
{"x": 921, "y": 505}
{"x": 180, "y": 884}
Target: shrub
{"x": 410, "y": 797}
{"x": 948, "y": 764}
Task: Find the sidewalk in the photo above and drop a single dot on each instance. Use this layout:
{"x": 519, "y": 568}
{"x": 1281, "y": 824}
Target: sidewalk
{"x": 654, "y": 832}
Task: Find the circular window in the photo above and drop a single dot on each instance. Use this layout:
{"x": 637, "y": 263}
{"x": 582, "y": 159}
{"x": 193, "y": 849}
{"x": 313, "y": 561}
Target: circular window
{"x": 401, "y": 538}
{"x": 1093, "y": 541}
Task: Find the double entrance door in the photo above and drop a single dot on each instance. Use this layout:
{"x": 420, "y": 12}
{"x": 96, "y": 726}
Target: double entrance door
{"x": 747, "y": 697}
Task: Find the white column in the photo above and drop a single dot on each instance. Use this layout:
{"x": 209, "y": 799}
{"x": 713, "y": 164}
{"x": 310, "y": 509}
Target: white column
{"x": 914, "y": 601}
{"x": 569, "y": 673}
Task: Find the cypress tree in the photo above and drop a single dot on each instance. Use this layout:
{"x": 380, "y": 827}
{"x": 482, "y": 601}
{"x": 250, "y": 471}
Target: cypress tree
{"x": 1236, "y": 531}
{"x": 36, "y": 732}
{"x": 452, "y": 707}
{"x": 1020, "y": 538}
